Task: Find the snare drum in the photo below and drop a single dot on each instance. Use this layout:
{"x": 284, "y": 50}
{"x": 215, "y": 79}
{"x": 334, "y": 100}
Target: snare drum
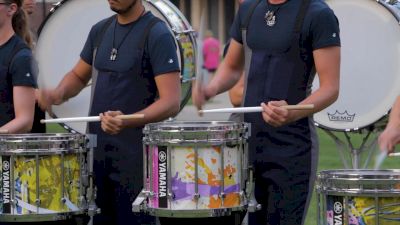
{"x": 359, "y": 197}
{"x": 57, "y": 52}
{"x": 370, "y": 74}
{"x": 194, "y": 169}
{"x": 44, "y": 177}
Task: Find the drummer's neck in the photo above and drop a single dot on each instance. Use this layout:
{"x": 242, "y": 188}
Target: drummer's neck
{"x": 132, "y": 15}
{"x": 6, "y": 34}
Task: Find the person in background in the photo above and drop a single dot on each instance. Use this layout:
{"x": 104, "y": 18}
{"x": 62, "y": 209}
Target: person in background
{"x": 17, "y": 78}
{"x": 132, "y": 58}
{"x": 29, "y": 6}
{"x": 390, "y": 137}
{"x": 211, "y": 53}
{"x": 281, "y": 44}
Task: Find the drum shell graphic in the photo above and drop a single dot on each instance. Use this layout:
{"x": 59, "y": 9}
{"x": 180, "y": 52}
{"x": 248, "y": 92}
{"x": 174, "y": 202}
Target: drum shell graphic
{"x": 358, "y": 197}
{"x": 195, "y": 169}
{"x": 45, "y": 177}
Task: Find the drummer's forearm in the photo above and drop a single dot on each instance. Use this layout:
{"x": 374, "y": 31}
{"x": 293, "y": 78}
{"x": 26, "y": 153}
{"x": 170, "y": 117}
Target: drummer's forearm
{"x": 74, "y": 81}
{"x": 69, "y": 87}
{"x": 226, "y": 77}
{"x": 320, "y": 99}
{"x": 160, "y": 110}
{"x": 394, "y": 118}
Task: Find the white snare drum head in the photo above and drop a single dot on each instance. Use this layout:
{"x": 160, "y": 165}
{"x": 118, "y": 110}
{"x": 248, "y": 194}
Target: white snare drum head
{"x": 370, "y": 74}
{"x": 63, "y": 35}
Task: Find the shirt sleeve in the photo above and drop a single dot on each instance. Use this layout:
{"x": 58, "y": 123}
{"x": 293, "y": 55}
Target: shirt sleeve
{"x": 162, "y": 51}
{"x": 87, "y": 51}
{"x": 22, "y": 69}
{"x": 235, "y": 30}
{"x": 325, "y": 29}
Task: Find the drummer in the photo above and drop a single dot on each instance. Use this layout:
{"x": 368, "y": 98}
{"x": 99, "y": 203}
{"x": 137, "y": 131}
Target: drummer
{"x": 390, "y": 137}
{"x": 137, "y": 73}
{"x": 283, "y": 145}
{"x": 17, "y": 79}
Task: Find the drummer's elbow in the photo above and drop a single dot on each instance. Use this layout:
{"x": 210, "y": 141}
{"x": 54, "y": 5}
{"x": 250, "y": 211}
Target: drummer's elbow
{"x": 171, "y": 107}
{"x": 175, "y": 108}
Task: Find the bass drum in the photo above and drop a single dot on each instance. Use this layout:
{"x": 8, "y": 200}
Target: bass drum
{"x": 63, "y": 34}
{"x": 370, "y": 73}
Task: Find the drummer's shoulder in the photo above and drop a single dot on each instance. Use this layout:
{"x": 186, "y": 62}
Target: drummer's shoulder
{"x": 319, "y": 6}
{"x": 103, "y": 23}
{"x": 159, "y": 27}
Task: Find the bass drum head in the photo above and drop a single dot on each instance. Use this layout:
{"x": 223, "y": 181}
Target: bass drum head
{"x": 62, "y": 37}
{"x": 370, "y": 74}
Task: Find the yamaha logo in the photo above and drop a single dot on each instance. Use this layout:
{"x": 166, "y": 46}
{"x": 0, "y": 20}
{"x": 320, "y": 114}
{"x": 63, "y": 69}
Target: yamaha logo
{"x": 338, "y": 207}
{"x": 162, "y": 156}
{"x": 6, "y": 165}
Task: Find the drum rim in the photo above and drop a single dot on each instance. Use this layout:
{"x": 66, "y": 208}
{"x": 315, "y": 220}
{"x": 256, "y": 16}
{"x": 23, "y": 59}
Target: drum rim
{"x": 196, "y": 213}
{"x": 176, "y": 124}
{"x": 392, "y": 9}
{"x": 45, "y": 217}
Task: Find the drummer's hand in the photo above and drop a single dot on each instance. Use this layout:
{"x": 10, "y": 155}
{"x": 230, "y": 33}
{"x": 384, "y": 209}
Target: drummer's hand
{"x": 110, "y": 124}
{"x": 275, "y": 115}
{"x": 389, "y": 138}
{"x": 201, "y": 94}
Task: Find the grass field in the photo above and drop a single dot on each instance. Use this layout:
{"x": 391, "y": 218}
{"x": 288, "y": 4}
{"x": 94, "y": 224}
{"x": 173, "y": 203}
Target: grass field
{"x": 328, "y": 160}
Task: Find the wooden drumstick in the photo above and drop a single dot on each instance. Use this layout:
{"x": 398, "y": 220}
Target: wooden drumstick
{"x": 255, "y": 109}
{"x": 3, "y": 131}
{"x": 91, "y": 119}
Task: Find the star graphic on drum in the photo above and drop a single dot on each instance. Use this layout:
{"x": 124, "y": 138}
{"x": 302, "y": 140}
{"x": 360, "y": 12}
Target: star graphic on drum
{"x": 6, "y": 166}
{"x": 162, "y": 156}
{"x": 338, "y": 207}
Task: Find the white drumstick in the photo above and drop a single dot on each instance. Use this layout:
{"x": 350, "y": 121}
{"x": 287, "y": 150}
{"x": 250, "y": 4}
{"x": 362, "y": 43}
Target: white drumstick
{"x": 90, "y": 119}
{"x": 3, "y": 131}
{"x": 255, "y": 109}
{"x": 394, "y": 154}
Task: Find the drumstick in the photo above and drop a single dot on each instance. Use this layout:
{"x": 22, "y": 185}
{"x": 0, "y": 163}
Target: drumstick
{"x": 3, "y": 131}
{"x": 255, "y": 109}
{"x": 394, "y": 154}
{"x": 90, "y": 118}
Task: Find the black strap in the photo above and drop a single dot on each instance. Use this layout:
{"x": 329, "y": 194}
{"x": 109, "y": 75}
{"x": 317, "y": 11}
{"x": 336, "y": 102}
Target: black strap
{"x": 142, "y": 42}
{"x": 11, "y": 57}
{"x": 100, "y": 35}
{"x": 146, "y": 32}
{"x": 301, "y": 15}
{"x": 246, "y": 20}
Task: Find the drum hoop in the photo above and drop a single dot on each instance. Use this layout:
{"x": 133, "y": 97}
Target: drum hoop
{"x": 52, "y": 11}
{"x": 392, "y": 10}
{"x": 198, "y": 213}
{"x": 175, "y": 32}
{"x": 41, "y": 217}
{"x": 352, "y": 175}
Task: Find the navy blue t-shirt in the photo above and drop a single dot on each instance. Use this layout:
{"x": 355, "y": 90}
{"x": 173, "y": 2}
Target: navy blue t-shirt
{"x": 320, "y": 28}
{"x": 21, "y": 66}
{"x": 160, "y": 46}
{"x": 15, "y": 70}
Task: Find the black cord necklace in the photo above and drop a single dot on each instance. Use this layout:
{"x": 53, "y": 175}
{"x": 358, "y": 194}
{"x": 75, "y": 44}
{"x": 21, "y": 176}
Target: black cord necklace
{"x": 270, "y": 15}
{"x": 114, "y": 50}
